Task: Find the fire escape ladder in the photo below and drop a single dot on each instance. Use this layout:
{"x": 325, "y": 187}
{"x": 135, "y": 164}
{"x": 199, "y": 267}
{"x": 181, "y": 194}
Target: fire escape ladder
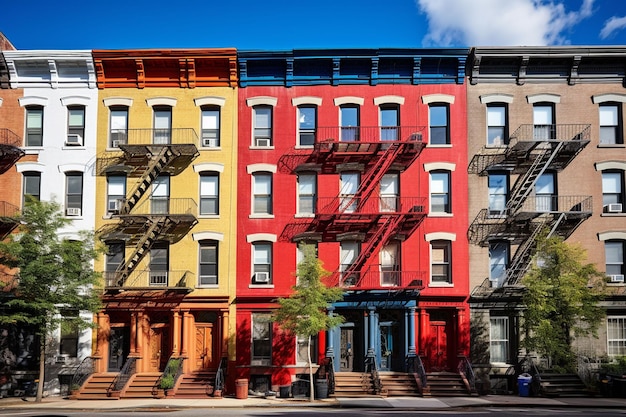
{"x": 375, "y": 242}
{"x": 372, "y": 176}
{"x": 524, "y": 185}
{"x": 155, "y": 167}
{"x": 521, "y": 260}
{"x": 145, "y": 243}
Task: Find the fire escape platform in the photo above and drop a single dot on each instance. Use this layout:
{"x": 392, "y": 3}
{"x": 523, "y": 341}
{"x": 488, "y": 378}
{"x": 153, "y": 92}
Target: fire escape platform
{"x": 131, "y": 227}
{"x": 134, "y": 160}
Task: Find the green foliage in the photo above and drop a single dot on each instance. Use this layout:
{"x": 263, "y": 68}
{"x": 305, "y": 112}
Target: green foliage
{"x": 304, "y": 313}
{"x": 54, "y": 273}
{"x": 618, "y": 367}
{"x": 561, "y": 300}
{"x": 167, "y": 381}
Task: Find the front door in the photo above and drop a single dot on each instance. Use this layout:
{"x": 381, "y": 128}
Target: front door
{"x": 386, "y": 346}
{"x": 346, "y": 346}
{"x": 205, "y": 354}
{"x": 119, "y": 347}
{"x": 438, "y": 357}
{"x": 159, "y": 348}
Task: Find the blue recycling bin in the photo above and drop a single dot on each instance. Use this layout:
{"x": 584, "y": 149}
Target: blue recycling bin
{"x": 523, "y": 385}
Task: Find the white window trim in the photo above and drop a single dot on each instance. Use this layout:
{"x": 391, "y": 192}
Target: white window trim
{"x": 161, "y": 101}
{"x": 75, "y": 101}
{"x": 440, "y": 236}
{"x": 544, "y": 98}
{"x": 72, "y": 167}
{"x": 261, "y": 101}
{"x": 612, "y": 235}
{"x": 198, "y": 236}
{"x": 30, "y": 166}
{"x": 434, "y": 166}
{"x": 304, "y": 100}
{"x": 438, "y": 98}
{"x": 388, "y": 100}
{"x": 340, "y": 101}
{"x": 208, "y": 166}
{"x": 117, "y": 101}
{"x": 496, "y": 98}
{"x": 608, "y": 97}
{"x": 210, "y": 101}
{"x": 251, "y": 169}
{"x": 33, "y": 101}
{"x": 606, "y": 165}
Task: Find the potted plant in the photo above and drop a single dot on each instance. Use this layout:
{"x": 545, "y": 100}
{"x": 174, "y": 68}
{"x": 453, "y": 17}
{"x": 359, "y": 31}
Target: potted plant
{"x": 167, "y": 382}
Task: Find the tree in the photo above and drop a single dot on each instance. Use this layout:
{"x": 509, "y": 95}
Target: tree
{"x": 561, "y": 301}
{"x": 304, "y": 312}
{"x": 54, "y": 274}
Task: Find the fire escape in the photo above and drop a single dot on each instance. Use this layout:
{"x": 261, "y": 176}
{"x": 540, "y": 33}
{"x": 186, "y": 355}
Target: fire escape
{"x": 144, "y": 155}
{"x": 363, "y": 216}
{"x": 531, "y": 152}
{"x": 10, "y": 153}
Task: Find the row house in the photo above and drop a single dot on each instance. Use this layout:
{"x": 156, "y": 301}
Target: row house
{"x": 546, "y": 150}
{"x": 363, "y": 154}
{"x": 47, "y": 149}
{"x": 166, "y": 210}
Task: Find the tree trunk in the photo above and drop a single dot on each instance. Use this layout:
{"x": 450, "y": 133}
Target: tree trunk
{"x": 311, "y": 385}
{"x": 42, "y": 366}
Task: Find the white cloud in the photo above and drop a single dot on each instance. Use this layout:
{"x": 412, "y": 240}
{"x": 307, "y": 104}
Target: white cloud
{"x": 499, "y": 23}
{"x": 612, "y": 25}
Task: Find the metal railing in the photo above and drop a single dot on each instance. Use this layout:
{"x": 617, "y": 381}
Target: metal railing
{"x": 8, "y": 210}
{"x": 128, "y": 369}
{"x": 156, "y": 206}
{"x": 465, "y": 369}
{"x": 371, "y": 367}
{"x": 375, "y": 277}
{"x": 10, "y": 138}
{"x": 557, "y": 132}
{"x": 85, "y": 369}
{"x": 372, "y": 205}
{"x": 369, "y": 133}
{"x": 151, "y": 279}
{"x": 415, "y": 366}
{"x": 220, "y": 375}
{"x": 176, "y": 136}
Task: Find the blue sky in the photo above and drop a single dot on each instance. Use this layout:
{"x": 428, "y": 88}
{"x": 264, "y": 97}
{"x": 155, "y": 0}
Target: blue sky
{"x": 283, "y": 25}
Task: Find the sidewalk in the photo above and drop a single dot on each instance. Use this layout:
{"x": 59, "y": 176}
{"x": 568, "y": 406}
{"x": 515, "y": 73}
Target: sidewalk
{"x": 371, "y": 402}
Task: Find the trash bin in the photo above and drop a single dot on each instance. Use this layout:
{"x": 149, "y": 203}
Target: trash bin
{"x": 523, "y": 385}
{"x": 285, "y": 391}
{"x": 321, "y": 388}
{"x": 241, "y": 389}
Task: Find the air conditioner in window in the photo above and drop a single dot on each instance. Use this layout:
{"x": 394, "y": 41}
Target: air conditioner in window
{"x": 614, "y": 208}
{"x": 263, "y": 142}
{"x": 617, "y": 278}
{"x": 114, "y": 206}
{"x": 116, "y": 143}
{"x": 62, "y": 358}
{"x": 209, "y": 142}
{"x": 74, "y": 139}
{"x": 71, "y": 211}
{"x": 262, "y": 277}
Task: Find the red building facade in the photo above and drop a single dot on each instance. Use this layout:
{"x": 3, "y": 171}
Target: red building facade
{"x": 362, "y": 153}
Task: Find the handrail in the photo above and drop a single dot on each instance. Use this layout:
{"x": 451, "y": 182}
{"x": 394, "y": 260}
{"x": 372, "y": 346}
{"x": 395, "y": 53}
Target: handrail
{"x": 372, "y": 368}
{"x": 128, "y": 369}
{"x": 414, "y": 365}
{"x": 465, "y": 369}
{"x": 84, "y": 370}
{"x": 220, "y": 375}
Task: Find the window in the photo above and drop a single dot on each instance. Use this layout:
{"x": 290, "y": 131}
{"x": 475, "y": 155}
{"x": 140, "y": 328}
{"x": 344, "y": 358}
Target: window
{"x": 349, "y": 252}
{"x": 74, "y": 193}
{"x": 262, "y": 193}
{"x": 616, "y": 336}
{"x": 611, "y": 127}
{"x": 118, "y": 126}
{"x": 497, "y": 126}
{"x": 300, "y": 253}
{"x": 613, "y": 191}
{"x": 302, "y": 349}
{"x": 261, "y": 337}
{"x": 114, "y": 259}
{"x": 262, "y": 263}
{"x": 349, "y": 119}
{"x": 306, "y": 193}
{"x": 116, "y": 193}
{"x": 32, "y": 185}
{"x": 75, "y": 125}
{"x": 160, "y": 197}
{"x": 543, "y": 121}
{"x": 390, "y": 265}
{"x": 545, "y": 192}
{"x": 348, "y": 187}
{"x": 498, "y": 188}
{"x": 307, "y": 125}
{"x": 439, "y": 129}
{"x": 34, "y": 126}
{"x": 159, "y": 264}
{"x": 440, "y": 261}
{"x": 262, "y": 126}
{"x": 440, "y": 192}
{"x": 208, "y": 262}
{"x": 499, "y": 339}
{"x": 162, "y": 125}
{"x": 498, "y": 262}
{"x": 389, "y": 192}
{"x": 389, "y": 122}
{"x": 211, "y": 126}
{"x": 614, "y": 254}
{"x": 68, "y": 345}
{"x": 209, "y": 193}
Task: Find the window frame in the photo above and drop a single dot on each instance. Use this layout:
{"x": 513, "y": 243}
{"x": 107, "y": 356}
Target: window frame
{"x": 445, "y": 193}
{"x": 492, "y": 141}
{"x": 159, "y": 264}
{"x": 613, "y": 196}
{"x": 76, "y": 129}
{"x": 211, "y": 264}
{"x": 25, "y": 180}
{"x": 619, "y": 343}
{"x": 544, "y": 131}
{"x": 615, "y": 266}
{"x": 496, "y": 195}
{"x": 445, "y": 246}
{"x": 504, "y": 341}
{"x": 118, "y": 134}
{"x": 261, "y": 335}
{"x": 260, "y": 133}
{"x": 435, "y": 129}
{"x": 617, "y": 138}
{"x": 349, "y": 132}
{"x": 34, "y": 134}
{"x": 207, "y": 198}
{"x": 305, "y": 196}
{"x": 118, "y": 198}
{"x": 68, "y": 336}
{"x": 210, "y": 137}
{"x": 498, "y": 281}
{"x": 69, "y": 203}
{"x": 258, "y": 197}
{"x": 261, "y": 267}
{"x": 162, "y": 135}
{"x": 387, "y": 112}
{"x": 306, "y": 131}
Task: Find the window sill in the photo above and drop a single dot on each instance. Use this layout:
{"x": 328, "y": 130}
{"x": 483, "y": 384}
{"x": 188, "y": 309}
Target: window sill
{"x": 261, "y": 216}
{"x": 435, "y": 145}
{"x": 613, "y": 215}
{"x": 77, "y": 147}
{"x": 304, "y": 216}
{"x": 304, "y": 147}
{"x": 267, "y": 286}
{"x": 208, "y": 287}
{"x": 32, "y": 150}
{"x": 252, "y": 147}
{"x": 611, "y": 145}
{"x": 210, "y": 148}
{"x": 440, "y": 285}
{"x": 437, "y": 214}
{"x": 208, "y": 216}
